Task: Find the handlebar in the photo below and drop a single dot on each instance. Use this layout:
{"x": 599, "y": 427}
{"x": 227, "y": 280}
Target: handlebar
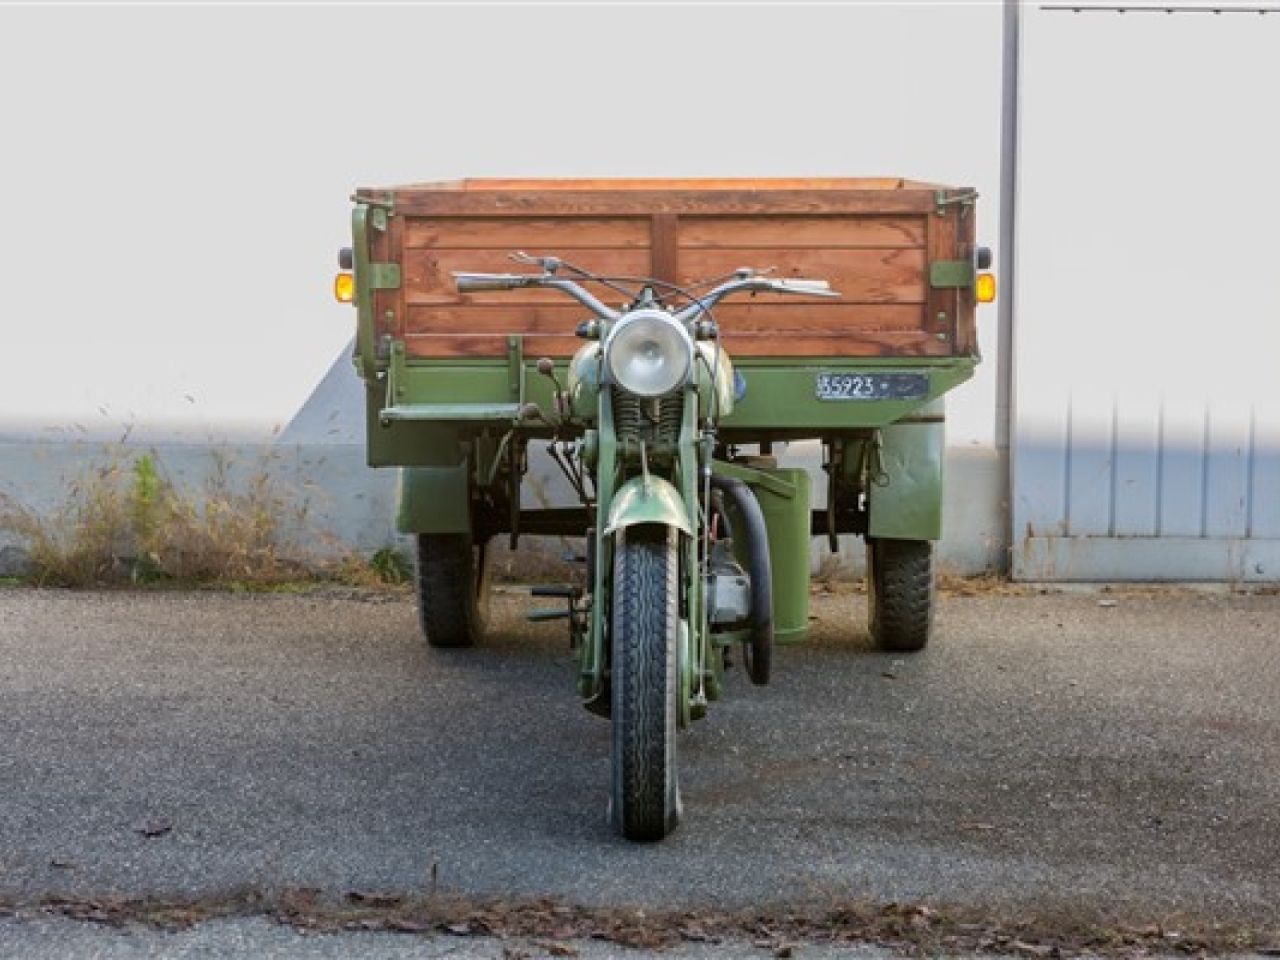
{"x": 812, "y": 288}
{"x": 744, "y": 281}
{"x": 477, "y": 282}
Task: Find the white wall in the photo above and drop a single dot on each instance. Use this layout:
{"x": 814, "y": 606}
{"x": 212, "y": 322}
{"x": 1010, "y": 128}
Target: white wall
{"x": 177, "y": 177}
{"x": 1148, "y": 299}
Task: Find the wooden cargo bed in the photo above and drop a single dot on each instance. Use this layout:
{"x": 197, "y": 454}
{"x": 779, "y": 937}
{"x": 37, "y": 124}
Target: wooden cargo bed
{"x": 879, "y": 242}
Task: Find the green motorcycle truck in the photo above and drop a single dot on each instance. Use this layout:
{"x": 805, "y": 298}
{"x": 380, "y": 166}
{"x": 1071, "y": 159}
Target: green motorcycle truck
{"x": 661, "y": 337}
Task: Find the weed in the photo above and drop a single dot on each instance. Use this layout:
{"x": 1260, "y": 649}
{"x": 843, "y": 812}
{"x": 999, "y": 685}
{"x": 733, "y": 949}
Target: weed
{"x": 84, "y": 539}
{"x": 391, "y": 566}
{"x": 123, "y": 520}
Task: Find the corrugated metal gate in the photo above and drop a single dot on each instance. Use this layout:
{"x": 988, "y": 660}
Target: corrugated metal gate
{"x": 1146, "y": 424}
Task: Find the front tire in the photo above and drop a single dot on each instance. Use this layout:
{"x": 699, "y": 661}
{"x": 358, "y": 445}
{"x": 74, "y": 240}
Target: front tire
{"x": 452, "y": 584}
{"x": 902, "y": 590}
{"x": 644, "y": 631}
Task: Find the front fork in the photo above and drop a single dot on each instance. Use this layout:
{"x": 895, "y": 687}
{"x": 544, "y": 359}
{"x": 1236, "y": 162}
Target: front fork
{"x": 674, "y": 497}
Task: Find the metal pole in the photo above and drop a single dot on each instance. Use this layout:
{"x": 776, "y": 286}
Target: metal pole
{"x": 1006, "y": 259}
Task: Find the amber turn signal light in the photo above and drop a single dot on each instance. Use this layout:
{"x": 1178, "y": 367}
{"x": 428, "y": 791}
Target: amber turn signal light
{"x": 985, "y": 287}
{"x": 344, "y": 287}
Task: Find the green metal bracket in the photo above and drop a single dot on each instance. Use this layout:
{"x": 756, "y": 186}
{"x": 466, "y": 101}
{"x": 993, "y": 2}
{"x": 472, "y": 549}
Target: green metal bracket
{"x": 395, "y": 373}
{"x": 942, "y": 200}
{"x": 951, "y": 273}
{"x": 380, "y": 209}
{"x": 366, "y": 345}
{"x": 384, "y": 276}
{"x": 515, "y": 368}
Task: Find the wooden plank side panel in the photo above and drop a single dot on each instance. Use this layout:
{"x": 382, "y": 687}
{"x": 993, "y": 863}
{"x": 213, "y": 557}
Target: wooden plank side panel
{"x": 843, "y": 344}
{"x": 486, "y": 345}
{"x": 803, "y": 232}
{"x": 578, "y": 184}
{"x": 757, "y": 330}
{"x": 611, "y": 202}
{"x": 871, "y": 242}
{"x": 433, "y": 346}
{"x": 943, "y": 305}
{"x": 535, "y": 235}
{"x": 861, "y": 276}
{"x": 744, "y": 319}
{"x": 428, "y": 273}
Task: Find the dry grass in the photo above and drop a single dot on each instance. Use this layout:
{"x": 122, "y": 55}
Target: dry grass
{"x": 124, "y": 520}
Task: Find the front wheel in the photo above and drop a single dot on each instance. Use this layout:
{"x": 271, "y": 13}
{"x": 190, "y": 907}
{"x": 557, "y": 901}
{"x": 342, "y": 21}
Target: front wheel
{"x": 644, "y": 631}
{"x": 453, "y": 588}
{"x": 901, "y": 586}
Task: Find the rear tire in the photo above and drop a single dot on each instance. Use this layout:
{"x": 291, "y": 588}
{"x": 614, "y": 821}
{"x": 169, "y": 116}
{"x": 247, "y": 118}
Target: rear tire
{"x": 902, "y": 589}
{"x": 452, "y": 584}
{"x": 644, "y": 631}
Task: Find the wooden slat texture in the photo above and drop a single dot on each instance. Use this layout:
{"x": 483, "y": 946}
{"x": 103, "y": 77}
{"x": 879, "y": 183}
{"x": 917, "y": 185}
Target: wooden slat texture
{"x": 705, "y": 184}
{"x": 943, "y": 303}
{"x": 591, "y": 203}
{"x": 861, "y": 276}
{"x": 461, "y": 345}
{"x": 871, "y": 239}
{"x": 558, "y": 318}
{"x": 855, "y": 344}
{"x": 665, "y": 259}
{"x": 428, "y": 274}
{"x": 767, "y": 314}
{"x": 966, "y": 324}
{"x": 534, "y": 235}
{"x": 802, "y": 232}
{"x": 749, "y": 330}
{"x": 736, "y": 320}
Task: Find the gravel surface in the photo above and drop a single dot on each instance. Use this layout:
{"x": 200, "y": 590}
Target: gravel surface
{"x": 1053, "y": 758}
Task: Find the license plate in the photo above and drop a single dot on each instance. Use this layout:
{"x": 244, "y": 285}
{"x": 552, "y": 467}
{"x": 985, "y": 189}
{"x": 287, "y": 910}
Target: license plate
{"x": 871, "y": 386}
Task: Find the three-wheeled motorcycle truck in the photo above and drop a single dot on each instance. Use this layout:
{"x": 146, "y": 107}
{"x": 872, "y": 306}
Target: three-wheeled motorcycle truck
{"x": 663, "y": 339}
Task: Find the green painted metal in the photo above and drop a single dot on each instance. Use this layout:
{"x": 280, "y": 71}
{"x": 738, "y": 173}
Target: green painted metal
{"x": 366, "y": 355}
{"x": 434, "y": 500}
{"x": 497, "y": 413}
{"x": 491, "y": 383}
{"x": 407, "y": 442}
{"x": 515, "y": 368}
{"x": 905, "y": 500}
{"x": 945, "y": 198}
{"x": 586, "y": 372}
{"x": 383, "y": 276}
{"x": 651, "y": 499}
{"x": 785, "y": 495}
{"x": 952, "y": 273}
{"x": 779, "y": 399}
{"x": 591, "y": 668}
{"x": 787, "y": 520}
{"x": 767, "y": 479}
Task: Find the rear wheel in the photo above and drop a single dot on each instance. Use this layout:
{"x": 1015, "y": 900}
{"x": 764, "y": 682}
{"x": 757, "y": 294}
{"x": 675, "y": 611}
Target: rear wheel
{"x": 453, "y": 588}
{"x": 901, "y": 586}
{"x": 644, "y": 630}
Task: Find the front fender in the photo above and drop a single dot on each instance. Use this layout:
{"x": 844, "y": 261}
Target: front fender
{"x": 648, "y": 500}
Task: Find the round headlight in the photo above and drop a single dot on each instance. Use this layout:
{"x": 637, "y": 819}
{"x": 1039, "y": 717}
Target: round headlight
{"x": 649, "y": 354}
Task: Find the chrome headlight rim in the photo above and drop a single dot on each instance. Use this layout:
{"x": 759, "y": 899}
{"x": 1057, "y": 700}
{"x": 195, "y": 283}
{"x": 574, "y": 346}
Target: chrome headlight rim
{"x": 649, "y": 353}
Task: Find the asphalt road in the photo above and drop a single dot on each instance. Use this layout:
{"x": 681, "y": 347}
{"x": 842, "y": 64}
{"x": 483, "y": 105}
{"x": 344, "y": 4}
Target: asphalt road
{"x": 1082, "y": 754}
